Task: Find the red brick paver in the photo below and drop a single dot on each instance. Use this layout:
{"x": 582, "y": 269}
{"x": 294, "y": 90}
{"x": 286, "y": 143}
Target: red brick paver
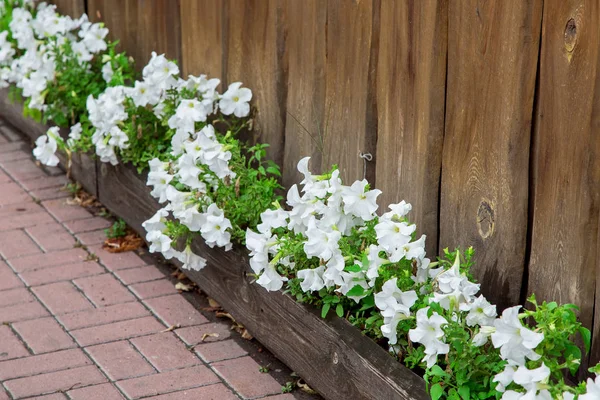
{"x": 81, "y": 323}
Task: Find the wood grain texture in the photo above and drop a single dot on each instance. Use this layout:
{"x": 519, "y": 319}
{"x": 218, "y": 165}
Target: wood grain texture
{"x": 305, "y": 109}
{"x": 492, "y": 62}
{"x": 566, "y": 160}
{"x": 73, "y": 8}
{"x": 347, "y": 94}
{"x": 141, "y": 26}
{"x": 254, "y": 57}
{"x": 411, "y": 86}
{"x": 202, "y": 49}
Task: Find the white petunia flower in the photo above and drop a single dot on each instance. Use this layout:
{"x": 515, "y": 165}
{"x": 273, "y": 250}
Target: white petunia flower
{"x": 235, "y": 100}
{"x": 321, "y": 243}
{"x": 481, "y": 312}
{"x": 107, "y": 72}
{"x": 46, "y": 147}
{"x": 359, "y": 203}
{"x": 270, "y": 279}
{"x": 429, "y": 332}
{"x": 190, "y": 260}
{"x": 74, "y": 134}
{"x": 514, "y": 340}
{"x": 593, "y": 389}
{"x": 312, "y": 279}
{"x": 214, "y": 231}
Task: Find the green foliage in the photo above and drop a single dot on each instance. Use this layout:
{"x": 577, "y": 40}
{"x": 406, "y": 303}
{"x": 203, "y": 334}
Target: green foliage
{"x": 117, "y": 230}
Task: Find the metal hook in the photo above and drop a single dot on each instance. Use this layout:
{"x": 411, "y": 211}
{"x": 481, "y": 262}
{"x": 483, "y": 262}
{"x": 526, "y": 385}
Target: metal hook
{"x": 366, "y": 157}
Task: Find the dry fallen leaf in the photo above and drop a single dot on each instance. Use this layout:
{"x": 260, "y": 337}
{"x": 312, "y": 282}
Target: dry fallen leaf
{"x": 206, "y": 335}
{"x": 183, "y": 287}
{"x": 304, "y": 386}
{"x": 213, "y": 303}
{"x": 171, "y": 328}
{"x": 129, "y": 242}
{"x": 246, "y": 335}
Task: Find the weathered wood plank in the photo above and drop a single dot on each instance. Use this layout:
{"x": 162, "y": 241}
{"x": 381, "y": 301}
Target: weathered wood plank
{"x": 484, "y": 191}
{"x": 73, "y": 8}
{"x": 141, "y": 26}
{"x": 202, "y": 41}
{"x": 254, "y": 56}
{"x": 411, "y": 82}
{"x": 333, "y": 357}
{"x": 347, "y": 94}
{"x": 566, "y": 163}
{"x": 306, "y": 52}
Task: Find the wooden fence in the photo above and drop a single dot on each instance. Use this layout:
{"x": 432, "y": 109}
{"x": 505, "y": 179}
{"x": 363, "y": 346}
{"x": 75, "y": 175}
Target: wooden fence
{"x": 485, "y": 115}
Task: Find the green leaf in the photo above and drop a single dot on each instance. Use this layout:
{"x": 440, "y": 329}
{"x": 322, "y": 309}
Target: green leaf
{"x": 357, "y": 290}
{"x": 325, "y": 309}
{"x": 273, "y": 171}
{"x": 436, "y": 370}
{"x": 465, "y": 392}
{"x": 587, "y": 338}
{"x": 436, "y": 391}
{"x": 339, "y": 310}
{"x": 353, "y": 268}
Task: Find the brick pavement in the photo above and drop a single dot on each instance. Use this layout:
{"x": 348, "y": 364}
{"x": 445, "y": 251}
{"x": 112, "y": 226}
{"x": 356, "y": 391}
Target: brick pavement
{"x": 86, "y": 330}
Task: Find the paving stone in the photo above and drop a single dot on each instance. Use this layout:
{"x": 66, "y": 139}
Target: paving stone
{"x": 104, "y": 290}
{"x": 211, "y": 392}
{"x": 219, "y": 351}
{"x": 103, "y": 316}
{"x": 61, "y": 273}
{"x": 22, "y": 312}
{"x": 11, "y": 134}
{"x": 9, "y": 147}
{"x": 43, "y": 363}
{"x": 50, "y": 193}
{"x": 141, "y": 274}
{"x": 3, "y": 394}
{"x": 10, "y": 345}
{"x": 286, "y": 396}
{"x": 54, "y": 258}
{"x": 243, "y": 375}
{"x": 91, "y": 238}
{"x": 105, "y": 391}
{"x": 117, "y": 331}
{"x": 45, "y": 182}
{"x": 62, "y": 297}
{"x": 147, "y": 290}
{"x": 166, "y": 382}
{"x": 206, "y": 333}
{"x": 55, "y": 396}
{"x": 51, "y": 237}
{"x": 54, "y": 381}
{"x": 117, "y": 261}
{"x": 165, "y": 351}
{"x": 12, "y": 193}
{"x": 15, "y": 296}
{"x": 8, "y": 280}
{"x": 25, "y": 220}
{"x": 175, "y": 310}
{"x": 43, "y": 335}
{"x": 120, "y": 360}
{"x": 14, "y": 155}
{"x": 17, "y": 243}
{"x": 12, "y": 210}
{"x": 63, "y": 211}
{"x": 21, "y": 170}
{"x": 87, "y": 225}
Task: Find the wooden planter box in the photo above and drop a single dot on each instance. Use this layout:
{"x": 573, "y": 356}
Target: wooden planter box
{"x": 330, "y": 354}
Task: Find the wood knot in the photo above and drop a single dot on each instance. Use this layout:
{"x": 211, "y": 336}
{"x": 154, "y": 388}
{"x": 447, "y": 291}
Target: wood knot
{"x": 335, "y": 358}
{"x": 486, "y": 219}
{"x": 570, "y": 37}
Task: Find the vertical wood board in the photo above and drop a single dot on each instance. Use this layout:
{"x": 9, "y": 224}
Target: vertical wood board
{"x": 492, "y": 63}
{"x": 566, "y": 167}
{"x": 202, "y": 37}
{"x": 411, "y": 83}
{"x": 254, "y": 57}
{"x": 306, "y": 53}
{"x": 349, "y": 45}
{"x": 72, "y": 8}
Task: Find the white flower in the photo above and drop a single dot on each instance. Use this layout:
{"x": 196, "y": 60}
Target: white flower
{"x": 191, "y": 109}
{"x": 161, "y": 243}
{"x": 392, "y": 236}
{"x": 375, "y": 261}
{"x": 235, "y": 100}
{"x": 398, "y": 211}
{"x": 533, "y": 381}
{"x": 46, "y": 146}
{"x": 514, "y": 340}
{"x": 505, "y": 377}
{"x": 157, "y": 222}
{"x": 272, "y": 219}
{"x": 391, "y": 296}
{"x": 214, "y": 231}
{"x": 74, "y": 134}
{"x": 321, "y": 243}
{"x": 107, "y": 72}
{"x": 481, "y": 312}
{"x": 429, "y": 332}
{"x": 270, "y": 279}
{"x": 483, "y": 335}
{"x": 456, "y": 292}
{"x": 312, "y": 279}
{"x": 190, "y": 260}
{"x": 593, "y": 390}
{"x": 360, "y": 203}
